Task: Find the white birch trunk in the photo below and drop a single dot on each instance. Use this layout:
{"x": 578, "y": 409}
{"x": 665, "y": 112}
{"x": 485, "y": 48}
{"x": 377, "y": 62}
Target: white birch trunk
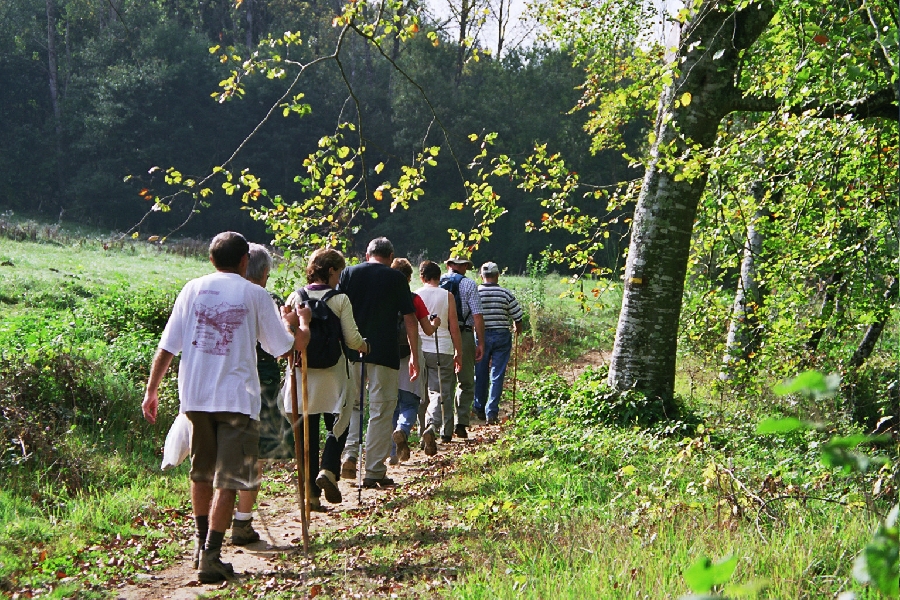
{"x": 644, "y": 353}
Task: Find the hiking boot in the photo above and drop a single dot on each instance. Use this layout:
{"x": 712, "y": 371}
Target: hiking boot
{"x": 479, "y": 414}
{"x": 399, "y": 438}
{"x": 327, "y": 482}
{"x": 461, "y": 432}
{"x": 315, "y": 505}
{"x": 393, "y": 460}
{"x": 212, "y": 569}
{"x": 428, "y": 443}
{"x": 242, "y": 532}
{"x": 446, "y": 439}
{"x": 384, "y": 482}
{"x": 493, "y": 421}
{"x": 198, "y": 546}
{"x": 348, "y": 469}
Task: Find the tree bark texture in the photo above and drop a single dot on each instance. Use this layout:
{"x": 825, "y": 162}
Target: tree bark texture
{"x": 743, "y": 332}
{"x": 644, "y": 353}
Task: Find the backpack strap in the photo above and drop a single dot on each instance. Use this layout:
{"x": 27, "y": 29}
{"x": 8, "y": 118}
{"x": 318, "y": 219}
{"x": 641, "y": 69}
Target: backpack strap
{"x": 330, "y": 294}
{"x": 455, "y": 280}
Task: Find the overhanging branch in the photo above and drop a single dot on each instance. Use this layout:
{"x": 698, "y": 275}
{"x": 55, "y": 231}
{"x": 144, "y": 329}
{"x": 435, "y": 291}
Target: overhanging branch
{"x": 880, "y": 104}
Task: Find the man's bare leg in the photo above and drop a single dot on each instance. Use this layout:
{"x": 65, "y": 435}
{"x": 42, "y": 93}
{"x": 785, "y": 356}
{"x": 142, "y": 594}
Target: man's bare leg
{"x": 222, "y": 509}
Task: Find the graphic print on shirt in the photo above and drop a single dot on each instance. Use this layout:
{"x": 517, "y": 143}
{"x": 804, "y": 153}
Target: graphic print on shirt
{"x": 216, "y": 326}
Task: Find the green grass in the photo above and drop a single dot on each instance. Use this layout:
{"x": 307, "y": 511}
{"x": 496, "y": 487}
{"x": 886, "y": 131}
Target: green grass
{"x": 81, "y": 469}
{"x": 56, "y": 277}
{"x": 557, "y": 507}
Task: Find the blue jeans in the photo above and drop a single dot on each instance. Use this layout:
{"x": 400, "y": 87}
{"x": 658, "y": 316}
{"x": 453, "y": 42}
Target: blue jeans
{"x": 490, "y": 370}
{"x": 405, "y": 414}
{"x": 407, "y": 411}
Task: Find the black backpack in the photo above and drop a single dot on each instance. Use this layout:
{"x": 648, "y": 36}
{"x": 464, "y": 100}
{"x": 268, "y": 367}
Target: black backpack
{"x": 326, "y": 338}
{"x": 450, "y": 282}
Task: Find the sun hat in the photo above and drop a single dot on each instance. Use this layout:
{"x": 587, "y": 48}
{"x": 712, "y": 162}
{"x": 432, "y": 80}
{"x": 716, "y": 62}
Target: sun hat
{"x": 456, "y": 260}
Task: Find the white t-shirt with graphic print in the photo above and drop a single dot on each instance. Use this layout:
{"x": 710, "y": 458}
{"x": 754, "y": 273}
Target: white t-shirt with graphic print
{"x": 215, "y": 324}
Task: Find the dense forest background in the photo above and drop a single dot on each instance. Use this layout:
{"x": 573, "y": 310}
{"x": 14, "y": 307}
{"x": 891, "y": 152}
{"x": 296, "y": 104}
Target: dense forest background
{"x": 95, "y": 91}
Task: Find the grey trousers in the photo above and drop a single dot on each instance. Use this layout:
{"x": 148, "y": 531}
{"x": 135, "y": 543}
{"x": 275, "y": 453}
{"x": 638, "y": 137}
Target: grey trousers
{"x": 441, "y": 393}
{"x": 465, "y": 396}
{"x": 382, "y": 385}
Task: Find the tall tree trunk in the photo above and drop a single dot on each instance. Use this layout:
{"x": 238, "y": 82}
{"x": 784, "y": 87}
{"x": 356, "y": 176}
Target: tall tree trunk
{"x": 249, "y": 38}
{"x": 646, "y": 337}
{"x": 53, "y": 71}
{"x": 466, "y": 8}
{"x": 873, "y": 332}
{"x": 743, "y": 333}
{"x": 503, "y": 10}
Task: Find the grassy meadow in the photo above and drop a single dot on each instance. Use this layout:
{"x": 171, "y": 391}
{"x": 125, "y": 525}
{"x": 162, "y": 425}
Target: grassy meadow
{"x": 583, "y": 496}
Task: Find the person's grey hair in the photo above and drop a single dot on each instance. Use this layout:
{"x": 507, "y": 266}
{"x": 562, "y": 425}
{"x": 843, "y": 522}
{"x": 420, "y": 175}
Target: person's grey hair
{"x": 260, "y": 262}
{"x": 380, "y": 247}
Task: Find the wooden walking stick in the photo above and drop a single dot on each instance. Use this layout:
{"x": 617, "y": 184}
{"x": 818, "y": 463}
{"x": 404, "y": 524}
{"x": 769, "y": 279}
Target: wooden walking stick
{"x": 307, "y": 485}
{"x": 515, "y": 369}
{"x": 362, "y": 413}
{"x": 301, "y": 470}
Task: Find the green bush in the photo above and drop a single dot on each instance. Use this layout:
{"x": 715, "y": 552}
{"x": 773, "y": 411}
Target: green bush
{"x": 873, "y": 394}
{"x": 590, "y": 402}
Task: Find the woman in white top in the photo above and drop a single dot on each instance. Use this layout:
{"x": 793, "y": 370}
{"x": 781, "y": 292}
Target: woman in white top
{"x": 443, "y": 357}
{"x": 327, "y": 388}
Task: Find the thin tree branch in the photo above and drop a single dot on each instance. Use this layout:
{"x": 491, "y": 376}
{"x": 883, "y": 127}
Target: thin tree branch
{"x": 880, "y": 104}
{"x": 168, "y": 199}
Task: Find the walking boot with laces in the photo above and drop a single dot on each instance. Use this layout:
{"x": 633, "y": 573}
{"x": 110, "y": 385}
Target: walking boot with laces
{"x": 327, "y": 482}
{"x": 348, "y": 469}
{"x": 212, "y": 569}
{"x": 399, "y": 437}
{"x": 198, "y": 546}
{"x": 242, "y": 532}
{"x": 429, "y": 444}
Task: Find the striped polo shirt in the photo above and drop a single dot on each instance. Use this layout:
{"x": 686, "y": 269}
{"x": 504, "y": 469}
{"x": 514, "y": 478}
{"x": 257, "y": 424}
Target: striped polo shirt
{"x": 499, "y": 305}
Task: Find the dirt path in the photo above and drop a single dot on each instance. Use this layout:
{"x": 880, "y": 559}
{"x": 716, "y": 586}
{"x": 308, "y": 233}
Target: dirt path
{"x": 594, "y": 358}
{"x": 278, "y": 556}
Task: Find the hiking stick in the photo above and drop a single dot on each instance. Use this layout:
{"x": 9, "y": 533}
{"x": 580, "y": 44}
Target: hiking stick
{"x": 359, "y": 464}
{"x": 437, "y": 350}
{"x": 307, "y": 488}
{"x": 515, "y": 369}
{"x": 295, "y": 425}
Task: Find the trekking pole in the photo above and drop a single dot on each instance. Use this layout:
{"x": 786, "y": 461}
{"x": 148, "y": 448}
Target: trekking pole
{"x": 359, "y": 463}
{"x": 515, "y": 369}
{"x": 437, "y": 350}
{"x": 307, "y": 488}
{"x": 295, "y": 425}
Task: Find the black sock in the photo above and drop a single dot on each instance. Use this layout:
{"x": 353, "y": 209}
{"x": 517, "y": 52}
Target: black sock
{"x": 202, "y": 527}
{"x": 214, "y": 540}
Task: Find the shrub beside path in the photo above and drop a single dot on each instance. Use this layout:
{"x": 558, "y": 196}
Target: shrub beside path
{"x": 344, "y": 559}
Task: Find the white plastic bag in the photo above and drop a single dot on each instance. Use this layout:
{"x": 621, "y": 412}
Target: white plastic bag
{"x": 178, "y": 443}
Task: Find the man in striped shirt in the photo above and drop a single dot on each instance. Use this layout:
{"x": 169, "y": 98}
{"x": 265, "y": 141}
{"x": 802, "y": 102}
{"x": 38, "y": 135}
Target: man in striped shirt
{"x": 500, "y": 309}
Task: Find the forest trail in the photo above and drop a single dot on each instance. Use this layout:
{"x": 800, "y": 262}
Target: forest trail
{"x": 277, "y": 562}
{"x": 570, "y": 370}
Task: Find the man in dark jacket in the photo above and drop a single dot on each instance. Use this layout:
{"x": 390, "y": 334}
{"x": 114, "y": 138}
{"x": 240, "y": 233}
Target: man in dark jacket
{"x": 377, "y": 293}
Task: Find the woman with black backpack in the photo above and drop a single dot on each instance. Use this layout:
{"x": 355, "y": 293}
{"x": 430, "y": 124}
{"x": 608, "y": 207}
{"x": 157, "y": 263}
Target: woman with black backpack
{"x": 328, "y": 369}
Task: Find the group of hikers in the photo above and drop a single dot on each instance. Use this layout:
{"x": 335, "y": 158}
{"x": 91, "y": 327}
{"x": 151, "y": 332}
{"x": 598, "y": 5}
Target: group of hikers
{"x": 433, "y": 358}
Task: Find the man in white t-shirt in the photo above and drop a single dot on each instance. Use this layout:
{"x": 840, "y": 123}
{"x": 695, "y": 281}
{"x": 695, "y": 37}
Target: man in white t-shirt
{"x": 215, "y": 325}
